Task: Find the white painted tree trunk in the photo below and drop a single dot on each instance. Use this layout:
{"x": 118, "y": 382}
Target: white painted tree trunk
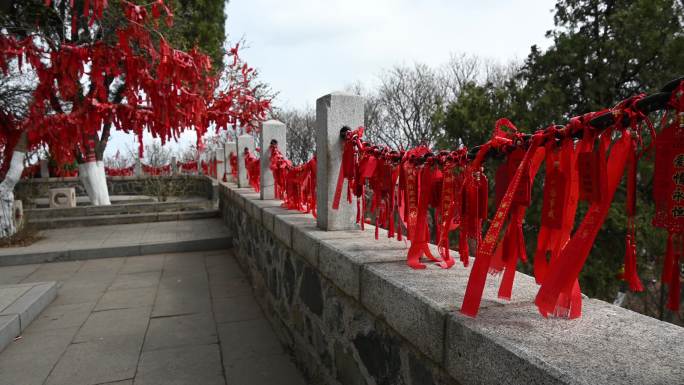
{"x": 8, "y": 225}
{"x": 92, "y": 175}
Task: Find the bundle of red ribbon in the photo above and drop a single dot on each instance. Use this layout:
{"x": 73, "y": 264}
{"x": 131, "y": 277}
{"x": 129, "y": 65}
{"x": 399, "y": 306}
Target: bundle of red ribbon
{"x": 123, "y": 171}
{"x": 253, "y": 168}
{"x": 234, "y": 165}
{"x": 188, "y": 166}
{"x": 294, "y": 185}
{"x": 156, "y": 170}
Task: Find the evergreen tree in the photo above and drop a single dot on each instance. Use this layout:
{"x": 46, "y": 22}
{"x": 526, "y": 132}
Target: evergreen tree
{"x": 602, "y": 52}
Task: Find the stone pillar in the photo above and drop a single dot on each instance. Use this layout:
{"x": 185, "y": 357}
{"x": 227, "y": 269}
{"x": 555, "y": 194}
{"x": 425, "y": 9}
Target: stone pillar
{"x": 270, "y": 130}
{"x": 220, "y": 164}
{"x": 243, "y": 141}
{"x": 44, "y": 168}
{"x": 333, "y": 112}
{"x": 230, "y": 148}
{"x": 138, "y": 167}
{"x": 174, "y": 166}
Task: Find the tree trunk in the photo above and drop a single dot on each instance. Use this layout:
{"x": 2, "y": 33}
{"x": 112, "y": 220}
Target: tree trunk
{"x": 92, "y": 175}
{"x": 8, "y": 224}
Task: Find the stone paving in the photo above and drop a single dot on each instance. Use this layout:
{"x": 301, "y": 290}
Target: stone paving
{"x": 184, "y": 318}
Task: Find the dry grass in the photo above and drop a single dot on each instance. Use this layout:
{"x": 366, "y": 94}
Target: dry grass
{"x": 26, "y": 236}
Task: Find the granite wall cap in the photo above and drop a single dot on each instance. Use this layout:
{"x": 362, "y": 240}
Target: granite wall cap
{"x": 306, "y": 240}
{"x": 268, "y": 215}
{"x": 304, "y": 245}
{"x": 284, "y": 223}
{"x": 257, "y": 207}
{"x": 607, "y": 345}
{"x": 341, "y": 259}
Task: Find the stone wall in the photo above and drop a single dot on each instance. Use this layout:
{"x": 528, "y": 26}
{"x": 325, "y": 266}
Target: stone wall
{"x": 352, "y": 312}
{"x": 186, "y": 185}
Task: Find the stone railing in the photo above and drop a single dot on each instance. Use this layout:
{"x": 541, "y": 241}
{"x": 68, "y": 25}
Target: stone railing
{"x": 352, "y": 312}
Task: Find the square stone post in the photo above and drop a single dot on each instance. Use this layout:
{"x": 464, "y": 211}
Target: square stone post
{"x": 174, "y": 166}
{"x": 230, "y": 148}
{"x": 138, "y": 168}
{"x": 44, "y": 168}
{"x": 243, "y": 141}
{"x": 220, "y": 164}
{"x": 271, "y": 130}
{"x": 333, "y": 112}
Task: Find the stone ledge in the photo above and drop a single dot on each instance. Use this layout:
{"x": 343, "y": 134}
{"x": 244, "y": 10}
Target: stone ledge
{"x": 268, "y": 215}
{"x": 509, "y": 342}
{"x": 10, "y": 327}
{"x": 27, "y": 301}
{"x": 607, "y": 345}
{"x": 341, "y": 259}
{"x": 283, "y": 225}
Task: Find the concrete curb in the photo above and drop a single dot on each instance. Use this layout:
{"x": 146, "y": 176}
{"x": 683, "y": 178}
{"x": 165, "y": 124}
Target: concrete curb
{"x": 16, "y": 317}
{"x": 117, "y": 251}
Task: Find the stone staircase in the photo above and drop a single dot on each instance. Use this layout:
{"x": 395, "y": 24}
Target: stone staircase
{"x": 123, "y": 213}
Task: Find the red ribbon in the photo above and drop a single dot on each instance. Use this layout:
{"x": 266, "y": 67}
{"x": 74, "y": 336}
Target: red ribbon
{"x": 348, "y": 166}
{"x": 234, "y": 165}
{"x": 294, "y": 185}
{"x": 253, "y": 168}
{"x": 564, "y": 270}
{"x": 485, "y": 252}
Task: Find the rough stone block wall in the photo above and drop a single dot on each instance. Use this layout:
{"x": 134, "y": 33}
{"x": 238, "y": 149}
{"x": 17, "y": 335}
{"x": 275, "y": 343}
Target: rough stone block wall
{"x": 351, "y": 312}
{"x": 335, "y": 340}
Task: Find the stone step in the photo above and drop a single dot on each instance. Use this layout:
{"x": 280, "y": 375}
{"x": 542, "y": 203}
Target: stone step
{"x": 44, "y": 203}
{"x": 116, "y": 209}
{"x": 118, "y": 219}
{"x": 20, "y": 304}
{"x": 132, "y": 250}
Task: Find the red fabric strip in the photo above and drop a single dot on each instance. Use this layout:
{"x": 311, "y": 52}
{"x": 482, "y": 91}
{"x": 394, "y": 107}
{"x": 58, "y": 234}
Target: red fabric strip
{"x": 564, "y": 270}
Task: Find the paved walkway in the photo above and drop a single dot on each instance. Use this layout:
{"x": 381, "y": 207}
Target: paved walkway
{"x": 186, "y": 318}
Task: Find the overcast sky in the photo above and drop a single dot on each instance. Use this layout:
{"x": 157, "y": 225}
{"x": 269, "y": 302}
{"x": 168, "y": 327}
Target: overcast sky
{"x": 307, "y": 48}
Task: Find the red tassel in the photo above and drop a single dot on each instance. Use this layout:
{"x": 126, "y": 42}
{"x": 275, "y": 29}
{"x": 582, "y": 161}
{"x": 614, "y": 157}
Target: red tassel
{"x": 670, "y": 276}
{"x": 668, "y": 263}
{"x": 463, "y": 247}
{"x": 631, "y": 275}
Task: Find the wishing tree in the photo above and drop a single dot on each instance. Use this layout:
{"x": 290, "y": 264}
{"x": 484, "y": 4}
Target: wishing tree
{"x": 108, "y": 66}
